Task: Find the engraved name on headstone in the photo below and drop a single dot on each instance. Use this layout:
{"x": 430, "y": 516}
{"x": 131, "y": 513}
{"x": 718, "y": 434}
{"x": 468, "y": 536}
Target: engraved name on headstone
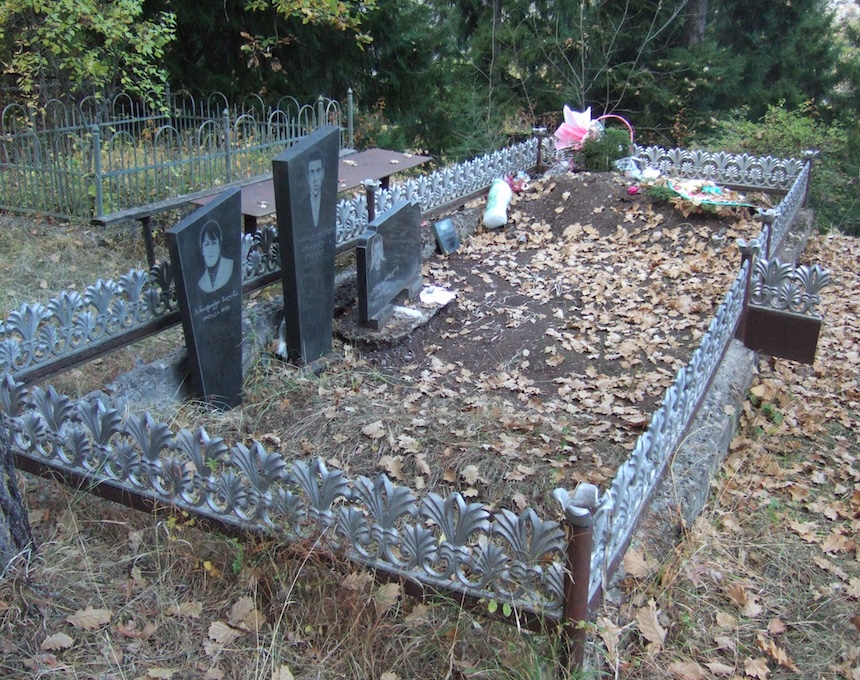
{"x": 388, "y": 259}
{"x": 305, "y": 179}
{"x": 206, "y": 249}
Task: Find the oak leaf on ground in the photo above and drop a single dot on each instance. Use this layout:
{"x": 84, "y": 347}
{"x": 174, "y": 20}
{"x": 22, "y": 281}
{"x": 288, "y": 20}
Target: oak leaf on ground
{"x": 757, "y": 668}
{"x": 687, "y": 670}
{"x": 649, "y": 626}
{"x": 57, "y": 642}
{"x": 90, "y": 618}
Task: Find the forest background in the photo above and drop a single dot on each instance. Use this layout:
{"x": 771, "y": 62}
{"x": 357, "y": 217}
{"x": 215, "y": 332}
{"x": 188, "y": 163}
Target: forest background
{"x": 456, "y": 79}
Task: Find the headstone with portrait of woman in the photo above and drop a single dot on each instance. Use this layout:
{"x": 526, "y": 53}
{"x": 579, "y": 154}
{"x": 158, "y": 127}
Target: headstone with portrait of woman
{"x": 305, "y": 180}
{"x": 205, "y": 249}
{"x": 388, "y": 262}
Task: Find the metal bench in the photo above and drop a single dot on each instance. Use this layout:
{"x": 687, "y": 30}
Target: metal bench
{"x": 144, "y": 213}
{"x": 258, "y": 193}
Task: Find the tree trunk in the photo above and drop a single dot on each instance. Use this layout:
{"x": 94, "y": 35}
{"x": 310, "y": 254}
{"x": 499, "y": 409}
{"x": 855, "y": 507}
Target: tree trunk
{"x": 696, "y": 23}
{"x": 15, "y": 534}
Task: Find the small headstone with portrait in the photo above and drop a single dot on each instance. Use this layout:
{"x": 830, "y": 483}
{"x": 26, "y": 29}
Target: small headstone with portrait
{"x": 446, "y": 236}
{"x": 205, "y": 249}
{"x": 305, "y": 179}
{"x": 388, "y": 259}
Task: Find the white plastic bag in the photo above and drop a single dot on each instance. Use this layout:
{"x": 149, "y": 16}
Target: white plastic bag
{"x": 496, "y": 213}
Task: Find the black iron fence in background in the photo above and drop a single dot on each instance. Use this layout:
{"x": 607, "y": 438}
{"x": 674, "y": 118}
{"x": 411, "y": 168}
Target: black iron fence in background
{"x": 85, "y": 160}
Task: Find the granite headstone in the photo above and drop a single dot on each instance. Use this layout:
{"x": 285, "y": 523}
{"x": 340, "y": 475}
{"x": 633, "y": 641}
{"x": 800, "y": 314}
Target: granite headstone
{"x": 206, "y": 249}
{"x": 305, "y": 179}
{"x": 388, "y": 259}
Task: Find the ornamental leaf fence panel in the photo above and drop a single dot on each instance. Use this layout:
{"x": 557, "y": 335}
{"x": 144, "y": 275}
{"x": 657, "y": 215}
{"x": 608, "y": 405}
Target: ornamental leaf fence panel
{"x": 442, "y": 542}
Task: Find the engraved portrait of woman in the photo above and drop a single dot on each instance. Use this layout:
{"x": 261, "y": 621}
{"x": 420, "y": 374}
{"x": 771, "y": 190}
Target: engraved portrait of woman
{"x": 217, "y": 269}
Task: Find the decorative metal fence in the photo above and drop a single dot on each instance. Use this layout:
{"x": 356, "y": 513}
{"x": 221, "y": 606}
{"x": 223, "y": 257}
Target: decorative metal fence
{"x": 553, "y": 570}
{"x": 618, "y": 510}
{"x": 757, "y": 173}
{"x": 39, "y": 339}
{"x": 91, "y": 159}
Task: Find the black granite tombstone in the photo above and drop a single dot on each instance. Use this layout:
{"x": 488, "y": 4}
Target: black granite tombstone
{"x": 305, "y": 178}
{"x": 388, "y": 258}
{"x": 446, "y": 236}
{"x": 206, "y": 250}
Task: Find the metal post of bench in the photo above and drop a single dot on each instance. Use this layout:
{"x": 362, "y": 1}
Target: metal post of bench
{"x": 148, "y": 240}
{"x": 370, "y": 186}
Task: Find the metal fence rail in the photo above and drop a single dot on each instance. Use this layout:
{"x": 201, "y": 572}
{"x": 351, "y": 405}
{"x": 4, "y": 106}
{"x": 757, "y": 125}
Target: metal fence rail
{"x": 442, "y": 542}
{"x": 757, "y": 173}
{"x": 40, "y": 339}
{"x": 621, "y": 505}
{"x": 91, "y": 159}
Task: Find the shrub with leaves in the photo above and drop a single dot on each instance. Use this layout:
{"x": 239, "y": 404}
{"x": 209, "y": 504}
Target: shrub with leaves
{"x": 788, "y": 133}
{"x": 598, "y": 153}
{"x": 83, "y": 47}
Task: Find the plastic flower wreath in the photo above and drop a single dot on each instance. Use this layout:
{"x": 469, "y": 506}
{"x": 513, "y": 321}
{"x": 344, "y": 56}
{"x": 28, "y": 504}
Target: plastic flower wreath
{"x": 575, "y": 129}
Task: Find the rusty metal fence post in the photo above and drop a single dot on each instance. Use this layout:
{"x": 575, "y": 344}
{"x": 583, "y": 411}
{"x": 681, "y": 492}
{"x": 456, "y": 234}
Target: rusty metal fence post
{"x": 579, "y": 515}
{"x": 540, "y": 132}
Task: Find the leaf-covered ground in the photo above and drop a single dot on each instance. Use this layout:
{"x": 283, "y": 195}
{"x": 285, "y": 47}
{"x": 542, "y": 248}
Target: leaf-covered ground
{"x": 568, "y": 327}
{"x": 766, "y": 584}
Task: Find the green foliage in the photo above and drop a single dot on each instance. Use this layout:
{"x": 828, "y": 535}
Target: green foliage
{"x": 599, "y": 153}
{"x": 679, "y": 94}
{"x": 846, "y": 94}
{"x": 786, "y": 50}
{"x": 344, "y": 15}
{"x": 785, "y": 132}
{"x": 772, "y": 413}
{"x": 661, "y": 193}
{"x": 373, "y": 129}
{"x": 238, "y": 561}
{"x": 75, "y": 48}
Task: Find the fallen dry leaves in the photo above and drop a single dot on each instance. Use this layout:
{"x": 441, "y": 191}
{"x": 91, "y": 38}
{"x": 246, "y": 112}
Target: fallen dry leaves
{"x": 772, "y": 570}
{"x": 616, "y": 314}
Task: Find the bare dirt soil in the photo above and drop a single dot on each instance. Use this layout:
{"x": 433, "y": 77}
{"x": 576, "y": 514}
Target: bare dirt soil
{"x": 568, "y": 325}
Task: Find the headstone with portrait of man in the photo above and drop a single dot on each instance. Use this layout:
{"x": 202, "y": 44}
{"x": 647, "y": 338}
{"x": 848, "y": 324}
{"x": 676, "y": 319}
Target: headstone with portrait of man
{"x": 388, "y": 262}
{"x": 205, "y": 249}
{"x": 305, "y": 180}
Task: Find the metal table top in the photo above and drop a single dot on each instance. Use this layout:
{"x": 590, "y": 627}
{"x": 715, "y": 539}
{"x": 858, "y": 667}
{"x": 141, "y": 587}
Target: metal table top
{"x": 258, "y": 199}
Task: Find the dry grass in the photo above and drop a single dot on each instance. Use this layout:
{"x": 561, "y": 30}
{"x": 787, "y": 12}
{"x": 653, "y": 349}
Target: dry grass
{"x": 40, "y": 257}
{"x": 767, "y": 581}
{"x": 186, "y": 603}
